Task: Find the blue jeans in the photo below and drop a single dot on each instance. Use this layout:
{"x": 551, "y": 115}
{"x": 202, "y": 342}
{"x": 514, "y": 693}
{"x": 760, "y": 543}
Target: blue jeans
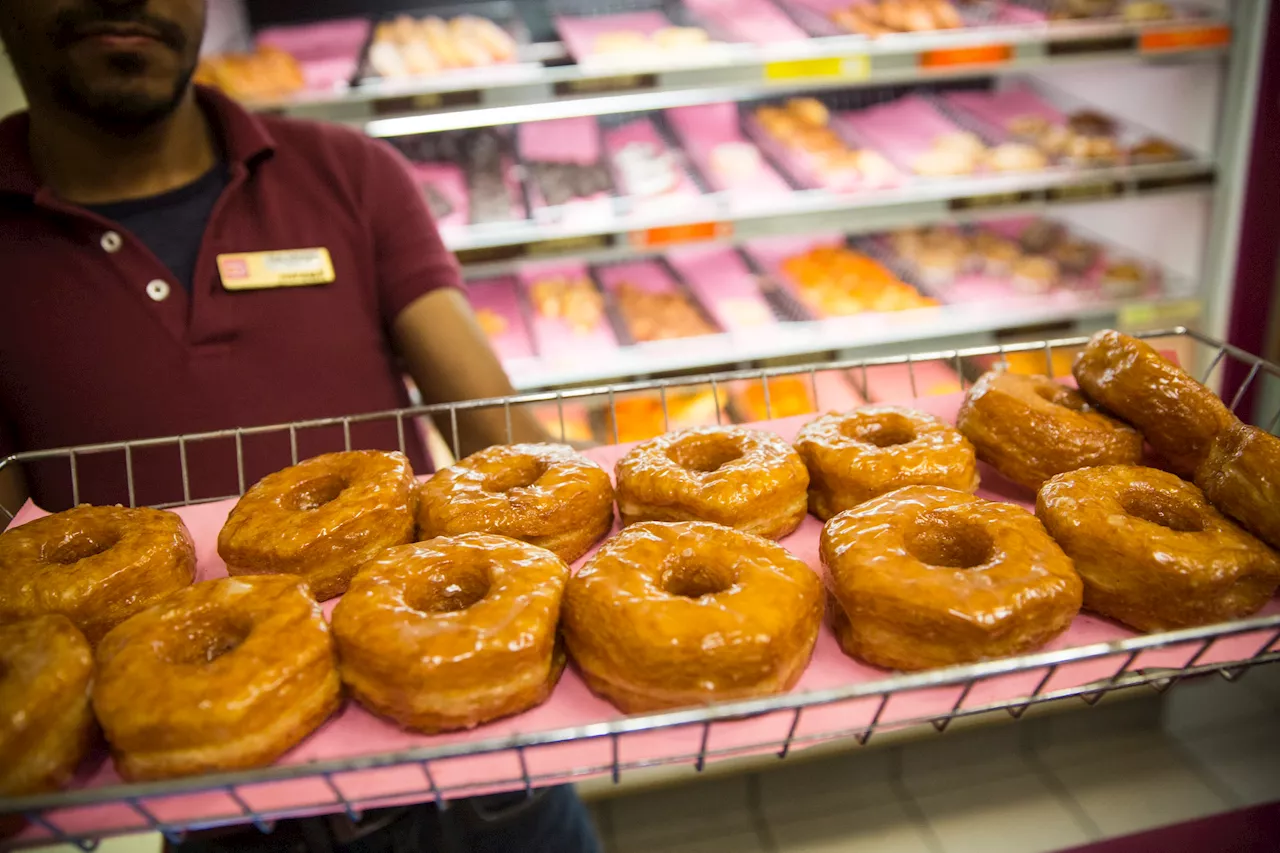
{"x": 554, "y": 820}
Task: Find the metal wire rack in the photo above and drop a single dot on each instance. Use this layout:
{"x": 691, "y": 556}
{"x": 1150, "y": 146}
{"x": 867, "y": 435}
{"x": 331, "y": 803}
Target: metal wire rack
{"x": 854, "y": 712}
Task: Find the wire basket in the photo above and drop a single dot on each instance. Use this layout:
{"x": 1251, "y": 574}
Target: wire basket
{"x": 439, "y": 769}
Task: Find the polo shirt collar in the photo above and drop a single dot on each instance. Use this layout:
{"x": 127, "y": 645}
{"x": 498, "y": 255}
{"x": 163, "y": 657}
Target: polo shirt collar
{"x": 245, "y": 140}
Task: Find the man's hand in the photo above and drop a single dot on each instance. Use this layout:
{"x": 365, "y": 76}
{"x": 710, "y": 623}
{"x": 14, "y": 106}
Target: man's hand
{"x": 450, "y": 360}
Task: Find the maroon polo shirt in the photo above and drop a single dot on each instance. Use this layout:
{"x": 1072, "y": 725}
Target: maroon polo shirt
{"x": 98, "y": 343}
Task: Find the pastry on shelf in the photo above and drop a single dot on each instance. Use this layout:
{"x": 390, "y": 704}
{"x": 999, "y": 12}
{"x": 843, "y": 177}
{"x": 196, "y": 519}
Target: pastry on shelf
{"x": 1075, "y": 257}
{"x": 957, "y": 153}
{"x": 1091, "y": 123}
{"x": 491, "y": 322}
{"x": 1147, "y": 10}
{"x": 837, "y": 282}
{"x": 645, "y": 169}
{"x": 657, "y": 316}
{"x": 1015, "y": 157}
{"x": 1067, "y": 10}
{"x": 735, "y": 161}
{"x": 804, "y": 126}
{"x": 571, "y": 298}
{"x": 1123, "y": 279}
{"x": 266, "y": 73}
{"x": 636, "y": 44}
{"x": 413, "y": 47}
{"x": 1154, "y": 150}
{"x": 1035, "y": 274}
{"x": 871, "y": 18}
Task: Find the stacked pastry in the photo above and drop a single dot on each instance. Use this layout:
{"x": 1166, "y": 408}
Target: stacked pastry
{"x": 411, "y": 47}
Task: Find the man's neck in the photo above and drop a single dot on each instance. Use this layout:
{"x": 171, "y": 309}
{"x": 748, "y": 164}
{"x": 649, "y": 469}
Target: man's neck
{"x": 85, "y": 164}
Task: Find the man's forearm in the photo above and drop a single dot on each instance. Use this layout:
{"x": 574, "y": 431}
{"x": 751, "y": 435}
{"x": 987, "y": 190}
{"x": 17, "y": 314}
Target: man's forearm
{"x": 450, "y": 360}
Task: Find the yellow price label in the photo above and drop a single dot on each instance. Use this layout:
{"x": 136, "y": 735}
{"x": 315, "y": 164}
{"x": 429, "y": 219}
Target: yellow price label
{"x": 1138, "y": 314}
{"x": 822, "y": 68}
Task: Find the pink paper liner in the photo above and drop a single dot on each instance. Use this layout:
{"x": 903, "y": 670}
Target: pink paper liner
{"x": 556, "y": 339}
{"x": 702, "y": 128}
{"x": 901, "y": 130}
{"x": 329, "y": 51}
{"x": 724, "y": 285}
{"x": 997, "y": 109}
{"x": 754, "y": 21}
{"x": 562, "y": 140}
{"x": 499, "y": 296}
{"x": 354, "y": 731}
{"x": 448, "y": 180}
{"x": 682, "y": 193}
{"x": 579, "y": 34}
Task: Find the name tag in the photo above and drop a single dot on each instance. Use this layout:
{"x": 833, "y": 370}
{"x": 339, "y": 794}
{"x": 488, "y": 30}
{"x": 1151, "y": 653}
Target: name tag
{"x": 264, "y": 270}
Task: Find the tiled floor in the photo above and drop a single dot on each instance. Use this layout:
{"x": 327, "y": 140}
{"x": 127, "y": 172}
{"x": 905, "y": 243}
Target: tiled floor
{"x": 1051, "y": 781}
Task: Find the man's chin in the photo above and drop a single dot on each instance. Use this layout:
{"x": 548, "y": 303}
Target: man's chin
{"x": 124, "y": 105}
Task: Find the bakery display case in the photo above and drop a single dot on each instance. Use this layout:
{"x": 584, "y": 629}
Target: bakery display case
{"x": 359, "y": 761}
{"x": 630, "y": 131}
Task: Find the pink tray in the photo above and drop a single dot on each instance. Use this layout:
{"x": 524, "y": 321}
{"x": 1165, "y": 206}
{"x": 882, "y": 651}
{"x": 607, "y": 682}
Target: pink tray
{"x": 681, "y": 195}
{"x": 556, "y": 339}
{"x": 448, "y": 180}
{"x": 328, "y": 52}
{"x": 499, "y": 296}
{"x": 702, "y": 128}
{"x": 580, "y": 34}
{"x": 720, "y": 279}
{"x": 754, "y": 21}
{"x": 354, "y": 731}
{"x": 902, "y": 130}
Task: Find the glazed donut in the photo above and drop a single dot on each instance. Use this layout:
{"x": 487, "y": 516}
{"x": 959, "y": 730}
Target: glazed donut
{"x": 742, "y": 478}
{"x": 1177, "y": 415}
{"x": 46, "y": 725}
{"x": 96, "y": 565}
{"x": 1030, "y": 428}
{"x": 1241, "y": 477}
{"x": 1153, "y": 553}
{"x": 928, "y": 576}
{"x": 667, "y": 615}
{"x": 454, "y": 632}
{"x": 321, "y": 519}
{"x": 857, "y": 456}
{"x": 223, "y": 675}
{"x": 544, "y": 494}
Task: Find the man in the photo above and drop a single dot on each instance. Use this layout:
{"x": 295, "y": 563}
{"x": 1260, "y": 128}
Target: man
{"x": 173, "y": 264}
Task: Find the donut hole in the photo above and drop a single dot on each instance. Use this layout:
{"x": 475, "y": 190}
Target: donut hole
{"x": 883, "y": 430}
{"x": 704, "y": 456}
{"x": 1060, "y": 395}
{"x": 451, "y": 592}
{"x": 315, "y": 493}
{"x": 1173, "y": 512}
{"x": 695, "y": 579}
{"x": 205, "y": 638}
{"x": 81, "y": 545}
{"x": 521, "y": 475}
{"x": 949, "y": 542}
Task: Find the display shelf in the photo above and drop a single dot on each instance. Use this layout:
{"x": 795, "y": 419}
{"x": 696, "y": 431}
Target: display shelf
{"x": 487, "y": 248}
{"x": 976, "y": 321}
{"x": 358, "y": 762}
{"x": 537, "y": 89}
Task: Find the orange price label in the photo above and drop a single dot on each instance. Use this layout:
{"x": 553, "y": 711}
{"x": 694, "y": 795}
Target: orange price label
{"x": 987, "y": 54}
{"x": 1189, "y": 38}
{"x": 670, "y": 234}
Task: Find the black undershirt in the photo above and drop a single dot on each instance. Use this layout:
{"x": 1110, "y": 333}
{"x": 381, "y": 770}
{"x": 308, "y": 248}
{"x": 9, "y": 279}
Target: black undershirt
{"x": 171, "y": 224}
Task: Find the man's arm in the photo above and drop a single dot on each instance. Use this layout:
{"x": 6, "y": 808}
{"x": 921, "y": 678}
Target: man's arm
{"x": 450, "y": 360}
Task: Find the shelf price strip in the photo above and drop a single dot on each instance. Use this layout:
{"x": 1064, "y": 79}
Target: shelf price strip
{"x": 669, "y": 235}
{"x": 989, "y": 54}
{"x": 1187, "y": 38}
{"x": 846, "y": 68}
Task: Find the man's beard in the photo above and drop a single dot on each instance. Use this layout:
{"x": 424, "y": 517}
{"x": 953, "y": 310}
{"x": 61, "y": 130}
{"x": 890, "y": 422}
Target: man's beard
{"x": 122, "y": 111}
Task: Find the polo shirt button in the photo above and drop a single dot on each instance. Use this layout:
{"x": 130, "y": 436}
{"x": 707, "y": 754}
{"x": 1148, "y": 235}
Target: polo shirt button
{"x": 158, "y": 289}
{"x": 111, "y": 242}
